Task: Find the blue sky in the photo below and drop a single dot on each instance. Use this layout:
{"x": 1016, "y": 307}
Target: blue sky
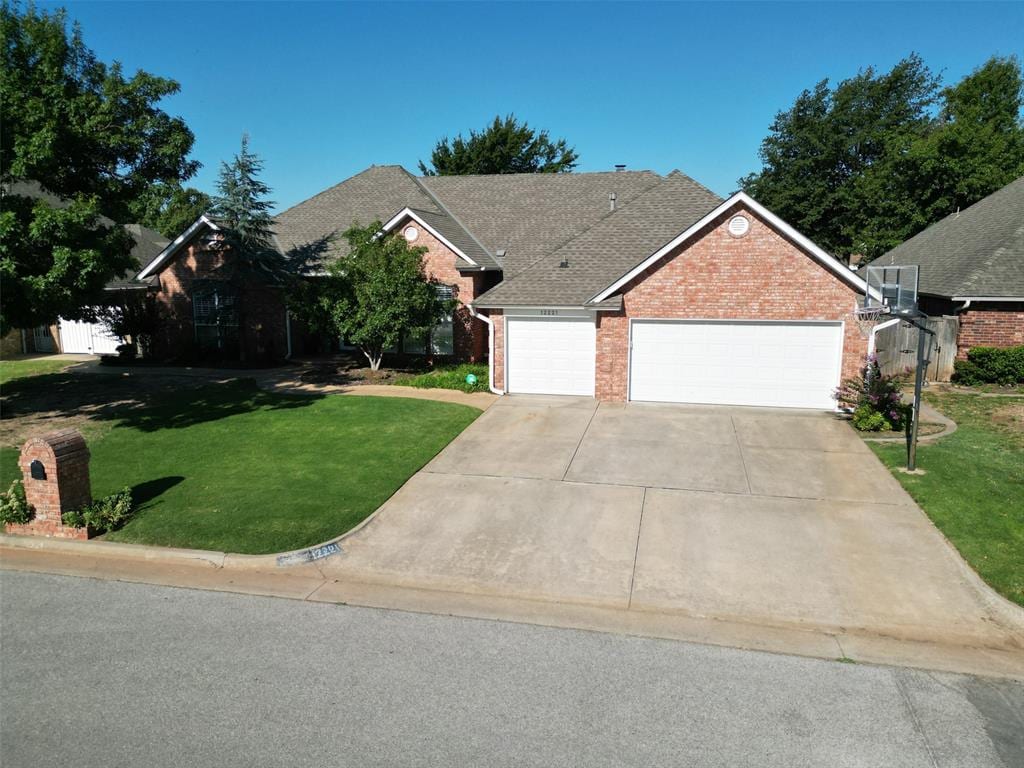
{"x": 326, "y": 89}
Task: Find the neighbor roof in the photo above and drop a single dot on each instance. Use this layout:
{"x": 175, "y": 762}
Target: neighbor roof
{"x": 148, "y": 242}
{"x": 975, "y": 253}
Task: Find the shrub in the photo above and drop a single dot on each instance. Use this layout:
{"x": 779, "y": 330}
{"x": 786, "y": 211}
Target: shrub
{"x": 104, "y": 515}
{"x": 14, "y": 507}
{"x": 875, "y": 398}
{"x": 990, "y": 365}
{"x": 867, "y": 419}
{"x": 450, "y": 377}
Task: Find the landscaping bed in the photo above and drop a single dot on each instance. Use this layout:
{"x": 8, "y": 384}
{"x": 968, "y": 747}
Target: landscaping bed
{"x": 973, "y": 483}
{"x": 229, "y": 466}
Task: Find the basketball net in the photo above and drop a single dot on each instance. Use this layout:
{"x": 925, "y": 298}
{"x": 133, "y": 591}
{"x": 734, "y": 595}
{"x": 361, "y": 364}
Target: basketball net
{"x": 867, "y": 318}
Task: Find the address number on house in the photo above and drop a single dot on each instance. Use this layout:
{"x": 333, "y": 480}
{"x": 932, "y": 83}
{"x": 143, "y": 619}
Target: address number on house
{"x": 549, "y": 312}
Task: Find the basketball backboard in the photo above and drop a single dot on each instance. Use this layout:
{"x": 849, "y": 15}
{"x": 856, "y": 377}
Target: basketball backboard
{"x": 892, "y": 288}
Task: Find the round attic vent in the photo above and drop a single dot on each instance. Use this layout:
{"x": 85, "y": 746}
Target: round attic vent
{"x": 411, "y": 233}
{"x": 739, "y": 226}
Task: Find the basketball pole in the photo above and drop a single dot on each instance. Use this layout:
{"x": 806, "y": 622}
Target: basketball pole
{"x": 923, "y": 332}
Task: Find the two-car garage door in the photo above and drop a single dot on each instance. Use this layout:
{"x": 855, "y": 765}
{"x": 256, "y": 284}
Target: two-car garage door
{"x": 780, "y": 364}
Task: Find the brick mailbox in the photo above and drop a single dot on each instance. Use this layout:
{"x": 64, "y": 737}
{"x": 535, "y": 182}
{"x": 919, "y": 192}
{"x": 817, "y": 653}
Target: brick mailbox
{"x": 55, "y": 471}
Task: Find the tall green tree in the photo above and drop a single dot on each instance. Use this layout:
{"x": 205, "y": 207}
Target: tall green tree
{"x": 242, "y": 211}
{"x": 170, "y": 208}
{"x": 872, "y": 162}
{"x": 504, "y": 146}
{"x": 92, "y": 139}
{"x": 374, "y": 296}
{"x": 831, "y": 137}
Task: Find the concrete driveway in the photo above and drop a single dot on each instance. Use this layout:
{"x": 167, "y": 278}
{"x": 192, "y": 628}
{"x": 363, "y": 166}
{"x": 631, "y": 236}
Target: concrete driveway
{"x": 780, "y": 518}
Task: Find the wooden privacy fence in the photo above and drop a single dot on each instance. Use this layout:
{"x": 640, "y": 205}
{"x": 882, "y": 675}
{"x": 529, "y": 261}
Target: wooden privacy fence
{"x": 896, "y": 347}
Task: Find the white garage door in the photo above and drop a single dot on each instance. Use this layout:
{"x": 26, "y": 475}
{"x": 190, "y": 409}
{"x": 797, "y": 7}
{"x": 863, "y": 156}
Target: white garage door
{"x": 784, "y": 364}
{"x": 86, "y": 338}
{"x": 550, "y": 356}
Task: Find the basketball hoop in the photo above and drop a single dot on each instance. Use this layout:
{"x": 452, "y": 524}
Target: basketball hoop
{"x": 867, "y": 317}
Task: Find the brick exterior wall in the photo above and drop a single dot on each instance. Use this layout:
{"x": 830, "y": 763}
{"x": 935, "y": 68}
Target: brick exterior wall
{"x": 990, "y": 325}
{"x": 760, "y": 276}
{"x": 261, "y": 309}
{"x": 498, "y": 318}
{"x": 469, "y": 335}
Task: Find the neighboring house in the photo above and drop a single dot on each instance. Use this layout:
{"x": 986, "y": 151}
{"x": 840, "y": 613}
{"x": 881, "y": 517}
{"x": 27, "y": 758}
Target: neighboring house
{"x": 619, "y": 285}
{"x": 972, "y": 265}
{"x": 74, "y": 336}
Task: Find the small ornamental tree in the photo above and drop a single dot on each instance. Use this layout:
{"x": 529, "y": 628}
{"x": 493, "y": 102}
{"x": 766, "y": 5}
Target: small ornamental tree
{"x": 375, "y": 296}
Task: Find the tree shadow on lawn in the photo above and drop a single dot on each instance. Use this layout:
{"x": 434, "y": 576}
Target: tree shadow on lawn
{"x": 148, "y": 402}
{"x": 145, "y": 492}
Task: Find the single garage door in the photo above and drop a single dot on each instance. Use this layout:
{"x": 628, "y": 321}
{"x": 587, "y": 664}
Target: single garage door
{"x": 778, "y": 364}
{"x": 550, "y": 356}
{"x": 86, "y": 338}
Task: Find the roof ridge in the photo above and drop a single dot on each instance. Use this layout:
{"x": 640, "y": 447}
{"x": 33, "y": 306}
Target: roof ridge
{"x": 640, "y": 172}
{"x": 323, "y": 192}
{"x": 448, "y": 212}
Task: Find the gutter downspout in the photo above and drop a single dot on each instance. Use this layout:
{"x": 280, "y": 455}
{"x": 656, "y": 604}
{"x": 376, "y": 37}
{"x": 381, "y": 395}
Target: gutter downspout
{"x": 964, "y": 308}
{"x": 876, "y": 329}
{"x": 490, "y": 348}
{"x": 288, "y": 333}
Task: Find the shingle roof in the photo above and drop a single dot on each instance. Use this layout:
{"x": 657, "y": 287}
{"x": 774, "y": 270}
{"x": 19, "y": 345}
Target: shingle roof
{"x": 148, "y": 245}
{"x": 376, "y": 194}
{"x": 609, "y": 248}
{"x": 528, "y": 215}
{"x": 976, "y": 252}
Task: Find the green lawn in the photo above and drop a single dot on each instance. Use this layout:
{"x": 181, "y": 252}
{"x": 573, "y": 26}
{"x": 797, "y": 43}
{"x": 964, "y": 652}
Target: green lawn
{"x": 230, "y": 467}
{"x": 973, "y": 486}
{"x": 33, "y": 366}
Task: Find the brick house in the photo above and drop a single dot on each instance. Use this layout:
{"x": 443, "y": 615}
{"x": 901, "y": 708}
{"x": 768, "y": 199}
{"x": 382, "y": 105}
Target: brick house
{"x": 619, "y": 285}
{"x": 972, "y": 266}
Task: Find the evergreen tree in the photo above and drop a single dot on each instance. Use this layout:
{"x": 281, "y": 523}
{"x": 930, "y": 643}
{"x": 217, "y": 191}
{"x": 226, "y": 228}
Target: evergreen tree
{"x": 250, "y": 261}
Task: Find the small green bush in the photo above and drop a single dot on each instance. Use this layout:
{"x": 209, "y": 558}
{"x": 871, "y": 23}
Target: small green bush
{"x": 104, "y": 515}
{"x": 990, "y": 365}
{"x": 14, "y": 507}
{"x": 867, "y": 419}
{"x": 450, "y": 377}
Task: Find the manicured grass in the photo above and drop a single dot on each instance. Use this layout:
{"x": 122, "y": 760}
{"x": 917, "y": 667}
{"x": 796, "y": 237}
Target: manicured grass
{"x": 973, "y": 488}
{"x": 231, "y": 467}
{"x": 449, "y": 377}
{"x": 33, "y": 366}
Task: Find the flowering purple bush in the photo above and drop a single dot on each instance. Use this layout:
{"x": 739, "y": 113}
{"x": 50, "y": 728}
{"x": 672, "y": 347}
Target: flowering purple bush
{"x": 874, "y": 398}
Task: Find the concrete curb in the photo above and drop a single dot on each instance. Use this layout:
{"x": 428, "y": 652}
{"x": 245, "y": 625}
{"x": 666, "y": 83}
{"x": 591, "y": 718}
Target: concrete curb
{"x": 112, "y": 549}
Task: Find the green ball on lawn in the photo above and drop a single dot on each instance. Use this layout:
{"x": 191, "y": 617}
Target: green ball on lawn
{"x": 471, "y": 379}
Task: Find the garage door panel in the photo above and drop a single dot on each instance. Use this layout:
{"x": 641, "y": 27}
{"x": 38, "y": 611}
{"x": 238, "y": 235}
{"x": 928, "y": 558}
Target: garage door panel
{"x": 786, "y": 364}
{"x": 551, "y": 356}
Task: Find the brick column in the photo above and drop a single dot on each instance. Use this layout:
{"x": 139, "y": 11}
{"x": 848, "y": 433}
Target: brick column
{"x": 55, "y": 471}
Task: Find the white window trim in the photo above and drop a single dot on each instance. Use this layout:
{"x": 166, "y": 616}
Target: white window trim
{"x": 167, "y": 253}
{"x": 409, "y": 213}
{"x": 833, "y": 265}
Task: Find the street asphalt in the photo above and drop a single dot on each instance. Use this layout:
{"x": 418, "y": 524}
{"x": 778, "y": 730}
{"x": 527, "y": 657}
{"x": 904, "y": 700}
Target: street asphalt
{"x": 100, "y": 673}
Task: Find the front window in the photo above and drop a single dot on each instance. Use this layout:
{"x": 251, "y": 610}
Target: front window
{"x": 215, "y": 317}
{"x": 442, "y": 338}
